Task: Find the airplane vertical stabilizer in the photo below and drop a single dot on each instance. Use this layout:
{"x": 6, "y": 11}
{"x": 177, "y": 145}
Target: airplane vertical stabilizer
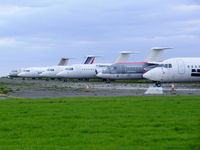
{"x": 63, "y": 62}
{"x": 155, "y": 54}
{"x": 89, "y": 59}
{"x": 123, "y": 57}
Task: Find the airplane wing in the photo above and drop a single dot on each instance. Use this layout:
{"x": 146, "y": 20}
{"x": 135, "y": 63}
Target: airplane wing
{"x": 154, "y": 62}
{"x": 155, "y": 54}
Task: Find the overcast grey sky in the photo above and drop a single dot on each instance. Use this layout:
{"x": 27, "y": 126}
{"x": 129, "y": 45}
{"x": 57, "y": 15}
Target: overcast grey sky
{"x": 39, "y": 32}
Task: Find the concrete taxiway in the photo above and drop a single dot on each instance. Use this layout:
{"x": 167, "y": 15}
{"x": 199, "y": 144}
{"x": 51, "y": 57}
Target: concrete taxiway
{"x": 52, "y": 89}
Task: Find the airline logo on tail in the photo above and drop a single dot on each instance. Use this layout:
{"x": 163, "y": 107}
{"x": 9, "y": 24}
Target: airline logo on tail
{"x": 89, "y": 60}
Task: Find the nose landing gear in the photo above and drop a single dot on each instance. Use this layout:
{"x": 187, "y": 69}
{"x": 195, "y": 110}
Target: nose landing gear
{"x": 96, "y": 71}
{"x": 158, "y": 84}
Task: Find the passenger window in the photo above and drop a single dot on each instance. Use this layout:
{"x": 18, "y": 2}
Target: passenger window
{"x": 70, "y": 69}
{"x": 194, "y": 70}
{"x": 51, "y": 69}
{"x": 170, "y": 65}
{"x": 198, "y": 70}
{"x": 162, "y": 65}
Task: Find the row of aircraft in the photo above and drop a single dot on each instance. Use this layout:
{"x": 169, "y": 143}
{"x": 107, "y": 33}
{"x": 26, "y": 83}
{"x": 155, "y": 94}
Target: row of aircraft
{"x": 151, "y": 68}
{"x": 86, "y": 70}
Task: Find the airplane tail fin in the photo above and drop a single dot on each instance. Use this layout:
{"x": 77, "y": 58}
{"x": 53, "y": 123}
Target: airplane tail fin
{"x": 89, "y": 59}
{"x": 63, "y": 62}
{"x": 155, "y": 54}
{"x": 123, "y": 57}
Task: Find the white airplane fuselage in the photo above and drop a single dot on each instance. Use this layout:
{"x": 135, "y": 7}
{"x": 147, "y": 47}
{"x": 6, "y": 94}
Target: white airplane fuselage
{"x": 176, "y": 70}
{"x": 32, "y": 72}
{"x": 51, "y": 72}
{"x": 69, "y": 71}
{"x": 82, "y": 71}
{"x": 35, "y": 72}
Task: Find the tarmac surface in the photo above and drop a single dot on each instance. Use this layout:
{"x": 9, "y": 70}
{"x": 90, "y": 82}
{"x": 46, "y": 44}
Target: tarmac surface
{"x": 53, "y": 88}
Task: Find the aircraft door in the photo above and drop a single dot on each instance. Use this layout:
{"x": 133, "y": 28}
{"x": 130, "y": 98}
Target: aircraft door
{"x": 122, "y": 69}
{"x": 168, "y": 73}
{"x": 181, "y": 66}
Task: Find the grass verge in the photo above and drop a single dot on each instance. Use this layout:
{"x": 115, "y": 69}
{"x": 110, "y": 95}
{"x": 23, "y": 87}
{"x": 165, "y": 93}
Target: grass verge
{"x": 121, "y": 123}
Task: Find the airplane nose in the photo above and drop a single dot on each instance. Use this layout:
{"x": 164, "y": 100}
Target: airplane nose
{"x": 154, "y": 74}
{"x": 99, "y": 75}
{"x": 147, "y": 75}
{"x": 61, "y": 74}
{"x": 96, "y": 71}
{"x": 44, "y": 74}
{"x": 22, "y": 74}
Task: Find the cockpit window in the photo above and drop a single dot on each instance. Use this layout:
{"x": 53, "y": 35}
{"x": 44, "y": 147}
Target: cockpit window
{"x": 69, "y": 69}
{"x": 110, "y": 68}
{"x": 50, "y": 69}
{"x": 102, "y": 65}
{"x": 27, "y": 71}
{"x": 39, "y": 72}
{"x": 165, "y": 65}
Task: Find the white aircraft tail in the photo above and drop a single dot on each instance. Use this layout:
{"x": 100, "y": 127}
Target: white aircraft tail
{"x": 124, "y": 56}
{"x": 89, "y": 59}
{"x": 155, "y": 54}
{"x": 63, "y": 62}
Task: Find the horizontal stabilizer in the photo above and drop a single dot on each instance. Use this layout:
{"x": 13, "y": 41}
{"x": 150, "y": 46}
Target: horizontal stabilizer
{"x": 155, "y": 54}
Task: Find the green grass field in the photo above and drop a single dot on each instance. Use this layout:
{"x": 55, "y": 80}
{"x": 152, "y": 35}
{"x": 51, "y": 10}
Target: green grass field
{"x": 117, "y": 123}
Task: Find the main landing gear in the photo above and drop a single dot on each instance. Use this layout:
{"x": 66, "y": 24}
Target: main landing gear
{"x": 158, "y": 84}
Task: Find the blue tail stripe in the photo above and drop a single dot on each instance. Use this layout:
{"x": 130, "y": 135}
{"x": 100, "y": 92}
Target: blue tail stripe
{"x": 88, "y": 60}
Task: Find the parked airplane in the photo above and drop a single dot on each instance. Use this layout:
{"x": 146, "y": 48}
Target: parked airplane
{"x": 34, "y": 72}
{"x": 176, "y": 70}
{"x": 132, "y": 70}
{"x": 14, "y": 73}
{"x": 89, "y": 71}
{"x": 52, "y": 71}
